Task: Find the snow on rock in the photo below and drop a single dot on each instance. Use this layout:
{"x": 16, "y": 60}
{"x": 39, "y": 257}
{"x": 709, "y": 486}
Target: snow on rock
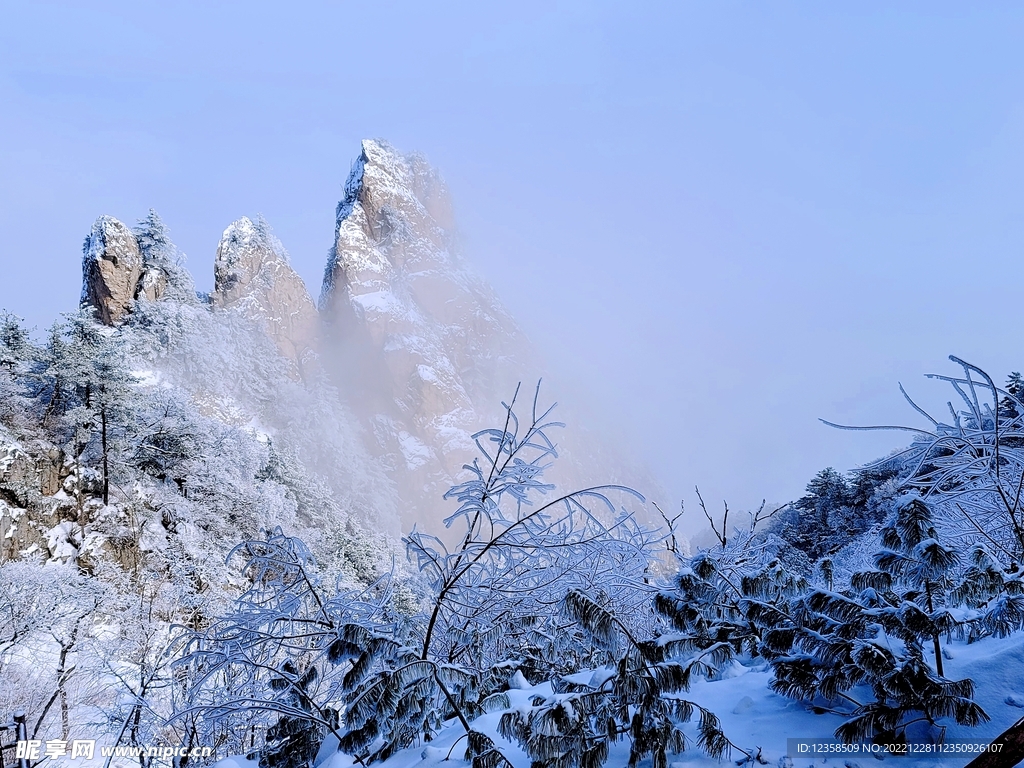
{"x": 111, "y": 268}
{"x": 252, "y": 275}
{"x": 415, "y": 452}
{"x": 423, "y": 338}
{"x": 63, "y": 542}
{"x": 148, "y": 378}
{"x": 743, "y": 705}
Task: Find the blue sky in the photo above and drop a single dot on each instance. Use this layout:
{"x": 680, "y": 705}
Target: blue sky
{"x": 724, "y": 220}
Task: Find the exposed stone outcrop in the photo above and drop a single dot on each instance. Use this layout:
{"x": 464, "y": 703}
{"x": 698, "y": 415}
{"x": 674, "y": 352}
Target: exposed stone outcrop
{"x": 414, "y": 342}
{"x": 252, "y": 275}
{"x": 111, "y": 268}
{"x": 423, "y": 337}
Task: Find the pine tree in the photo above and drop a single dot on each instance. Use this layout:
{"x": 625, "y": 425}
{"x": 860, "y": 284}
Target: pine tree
{"x": 839, "y": 641}
{"x": 163, "y": 274}
{"x": 920, "y": 567}
{"x": 994, "y": 592}
{"x": 17, "y": 356}
{"x": 1010, "y": 404}
{"x": 826, "y": 493}
{"x": 15, "y": 344}
{"x": 828, "y": 516}
{"x": 633, "y": 697}
{"x": 293, "y": 741}
{"x": 106, "y": 393}
{"x": 88, "y": 395}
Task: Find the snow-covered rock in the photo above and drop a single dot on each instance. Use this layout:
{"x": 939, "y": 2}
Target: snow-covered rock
{"x": 408, "y": 343}
{"x": 111, "y": 269}
{"x": 420, "y": 339}
{"x": 252, "y": 275}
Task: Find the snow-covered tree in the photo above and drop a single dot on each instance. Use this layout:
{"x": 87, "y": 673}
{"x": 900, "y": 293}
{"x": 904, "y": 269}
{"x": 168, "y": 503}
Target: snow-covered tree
{"x": 163, "y": 272}
{"x": 88, "y": 394}
{"x": 130, "y": 652}
{"x": 290, "y": 654}
{"x": 836, "y": 509}
{"x": 344, "y": 660}
{"x": 48, "y": 622}
{"x": 993, "y": 593}
{"x": 921, "y": 570}
{"x": 877, "y": 636}
{"x": 635, "y": 697}
{"x": 17, "y": 355}
{"x": 971, "y": 469}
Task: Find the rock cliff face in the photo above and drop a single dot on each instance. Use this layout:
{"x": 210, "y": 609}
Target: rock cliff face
{"x": 111, "y": 268}
{"x": 425, "y": 339}
{"x": 252, "y": 275}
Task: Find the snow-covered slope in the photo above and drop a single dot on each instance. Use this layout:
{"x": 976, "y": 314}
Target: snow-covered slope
{"x": 411, "y": 340}
{"x": 756, "y": 720}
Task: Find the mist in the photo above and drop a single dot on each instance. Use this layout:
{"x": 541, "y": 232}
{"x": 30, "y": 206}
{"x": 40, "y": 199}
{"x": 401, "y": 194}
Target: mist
{"x": 282, "y": 482}
{"x": 720, "y": 224}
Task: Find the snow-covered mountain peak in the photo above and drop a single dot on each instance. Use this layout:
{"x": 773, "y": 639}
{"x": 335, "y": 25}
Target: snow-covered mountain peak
{"x": 252, "y": 274}
{"x": 122, "y": 265}
{"x": 440, "y": 350}
{"x": 397, "y": 202}
{"x": 417, "y": 347}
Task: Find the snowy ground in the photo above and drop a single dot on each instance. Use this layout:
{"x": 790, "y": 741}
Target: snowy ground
{"x": 754, "y": 717}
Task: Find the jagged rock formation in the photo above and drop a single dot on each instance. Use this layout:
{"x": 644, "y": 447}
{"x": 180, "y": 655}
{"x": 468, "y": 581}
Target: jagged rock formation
{"x": 111, "y": 268}
{"x": 417, "y": 346}
{"x": 252, "y": 275}
{"x": 424, "y": 338}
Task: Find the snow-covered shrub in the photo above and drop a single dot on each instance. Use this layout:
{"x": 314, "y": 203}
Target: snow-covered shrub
{"x": 314, "y": 657}
{"x": 47, "y": 627}
{"x": 870, "y": 649}
{"x": 734, "y": 593}
{"x": 635, "y": 696}
{"x": 712, "y": 613}
{"x": 993, "y": 594}
{"x": 835, "y": 647}
{"x": 287, "y": 657}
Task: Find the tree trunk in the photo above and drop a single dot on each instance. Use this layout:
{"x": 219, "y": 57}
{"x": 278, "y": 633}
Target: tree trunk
{"x": 1011, "y": 752}
{"x": 65, "y": 715}
{"x": 106, "y": 468}
{"x": 935, "y": 638}
{"x": 63, "y": 673}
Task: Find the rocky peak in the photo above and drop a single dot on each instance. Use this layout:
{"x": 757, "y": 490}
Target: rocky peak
{"x": 111, "y": 268}
{"x": 395, "y": 209}
{"x": 435, "y": 350}
{"x": 394, "y": 266}
{"x": 252, "y": 275}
